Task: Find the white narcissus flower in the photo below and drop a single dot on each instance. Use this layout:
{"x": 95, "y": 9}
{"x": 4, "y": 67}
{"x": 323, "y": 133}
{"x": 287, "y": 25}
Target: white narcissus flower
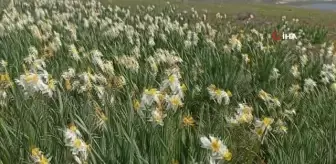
{"x": 218, "y": 95}
{"x": 333, "y": 87}
{"x": 71, "y": 134}
{"x": 275, "y": 73}
{"x": 69, "y": 74}
{"x": 243, "y": 115}
{"x": 235, "y": 43}
{"x": 78, "y": 147}
{"x": 174, "y": 102}
{"x": 295, "y": 71}
{"x": 149, "y": 97}
{"x": 157, "y": 117}
{"x": 74, "y": 52}
{"x": 218, "y": 149}
{"x": 173, "y": 84}
{"x": 262, "y": 126}
{"x": 212, "y": 143}
{"x": 96, "y": 59}
{"x": 36, "y": 82}
{"x": 309, "y": 85}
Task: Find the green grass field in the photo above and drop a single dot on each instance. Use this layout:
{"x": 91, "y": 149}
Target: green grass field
{"x": 84, "y": 83}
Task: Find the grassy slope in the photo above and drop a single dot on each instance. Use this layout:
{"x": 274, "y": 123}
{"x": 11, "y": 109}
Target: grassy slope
{"x": 312, "y": 135}
{"x": 295, "y": 149}
{"x": 264, "y": 12}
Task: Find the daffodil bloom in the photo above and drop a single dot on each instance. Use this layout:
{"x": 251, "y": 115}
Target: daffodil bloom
{"x": 246, "y": 58}
{"x": 149, "y": 97}
{"x": 214, "y": 144}
{"x": 281, "y": 127}
{"x": 157, "y": 117}
{"x": 44, "y": 160}
{"x": 3, "y": 63}
{"x": 235, "y": 43}
{"x": 263, "y": 95}
{"x": 79, "y": 148}
{"x": 174, "y": 102}
{"x": 74, "y": 53}
{"x": 218, "y": 95}
{"x": 268, "y": 121}
{"x": 69, "y": 74}
{"x": 174, "y": 84}
{"x": 227, "y": 155}
{"x": 34, "y": 82}
{"x": 136, "y": 105}
{"x": 101, "y": 118}
{"x": 224, "y": 154}
{"x": 262, "y": 126}
{"x": 268, "y": 99}
{"x": 35, "y": 152}
{"x": 71, "y": 133}
{"x": 67, "y": 85}
{"x": 38, "y": 157}
{"x": 259, "y": 131}
{"x": 5, "y": 81}
{"x": 188, "y": 121}
{"x": 244, "y": 115}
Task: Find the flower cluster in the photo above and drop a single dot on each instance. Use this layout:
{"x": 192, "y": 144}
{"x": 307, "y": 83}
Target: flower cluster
{"x": 78, "y": 148}
{"x": 36, "y": 79}
{"x": 218, "y": 94}
{"x": 38, "y": 157}
{"x": 218, "y": 149}
{"x": 269, "y": 99}
{"x": 243, "y": 115}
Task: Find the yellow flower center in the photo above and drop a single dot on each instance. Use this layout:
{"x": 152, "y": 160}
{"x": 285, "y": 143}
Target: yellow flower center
{"x": 73, "y": 128}
{"x": 175, "y": 101}
{"x": 267, "y": 121}
{"x": 35, "y": 151}
{"x": 227, "y": 155}
{"x": 172, "y": 79}
{"x": 77, "y": 143}
{"x": 161, "y": 96}
{"x": 152, "y": 91}
{"x": 67, "y": 85}
{"x": 283, "y": 128}
{"x": 259, "y": 132}
{"x": 215, "y": 145}
{"x": 32, "y": 78}
{"x": 218, "y": 92}
{"x": 44, "y": 160}
{"x": 247, "y": 109}
{"x": 244, "y": 118}
{"x": 4, "y": 77}
{"x": 158, "y": 117}
{"x": 188, "y": 121}
{"x": 263, "y": 95}
{"x": 51, "y": 83}
{"x": 229, "y": 93}
{"x": 136, "y": 105}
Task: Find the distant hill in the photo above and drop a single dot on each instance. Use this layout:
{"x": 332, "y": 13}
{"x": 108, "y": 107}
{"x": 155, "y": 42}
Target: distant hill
{"x": 264, "y": 1}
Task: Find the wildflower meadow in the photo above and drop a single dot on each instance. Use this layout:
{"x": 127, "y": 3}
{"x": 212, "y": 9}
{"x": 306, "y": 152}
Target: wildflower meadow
{"x": 86, "y": 83}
